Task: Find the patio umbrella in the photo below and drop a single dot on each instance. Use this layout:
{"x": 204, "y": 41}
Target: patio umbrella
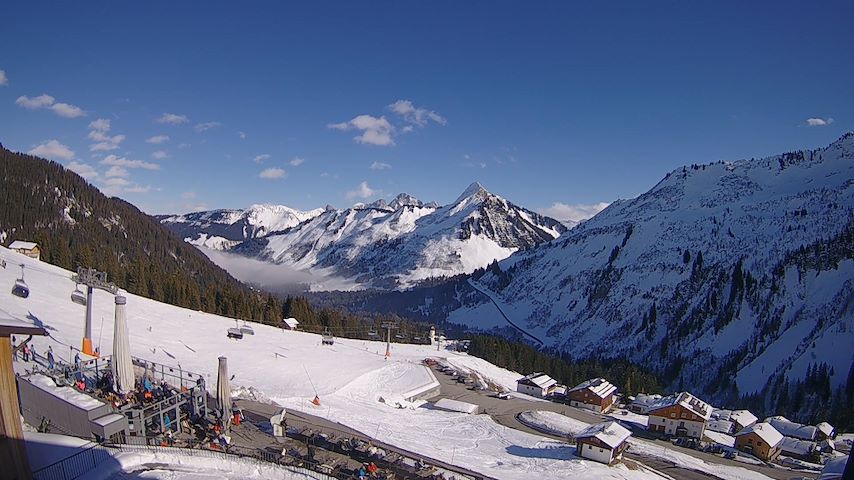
{"x": 223, "y": 390}
{"x": 121, "y": 364}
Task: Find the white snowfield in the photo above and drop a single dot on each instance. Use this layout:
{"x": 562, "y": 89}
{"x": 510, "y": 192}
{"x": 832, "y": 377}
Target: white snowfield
{"x": 558, "y": 424}
{"x": 291, "y": 367}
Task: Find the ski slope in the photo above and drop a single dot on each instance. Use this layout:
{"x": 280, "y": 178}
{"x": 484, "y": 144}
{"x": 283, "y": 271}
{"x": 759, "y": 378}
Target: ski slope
{"x": 291, "y": 367}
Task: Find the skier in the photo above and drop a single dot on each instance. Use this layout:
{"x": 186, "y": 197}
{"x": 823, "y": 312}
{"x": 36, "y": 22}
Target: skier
{"x": 14, "y": 353}
{"x": 26, "y": 352}
{"x": 77, "y": 361}
{"x": 50, "y": 363}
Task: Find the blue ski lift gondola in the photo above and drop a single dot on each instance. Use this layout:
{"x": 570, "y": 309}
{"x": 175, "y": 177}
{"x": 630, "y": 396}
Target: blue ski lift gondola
{"x": 78, "y": 296}
{"x": 20, "y": 289}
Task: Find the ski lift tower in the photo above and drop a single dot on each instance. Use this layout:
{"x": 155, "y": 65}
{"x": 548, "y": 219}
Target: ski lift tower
{"x": 388, "y": 326}
{"x": 92, "y": 279}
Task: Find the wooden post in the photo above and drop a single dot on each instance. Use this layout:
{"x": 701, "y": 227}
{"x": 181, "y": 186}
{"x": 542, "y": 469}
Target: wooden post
{"x": 13, "y": 450}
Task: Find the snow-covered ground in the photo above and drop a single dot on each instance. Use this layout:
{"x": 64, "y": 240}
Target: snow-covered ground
{"x": 558, "y": 424}
{"x": 291, "y": 367}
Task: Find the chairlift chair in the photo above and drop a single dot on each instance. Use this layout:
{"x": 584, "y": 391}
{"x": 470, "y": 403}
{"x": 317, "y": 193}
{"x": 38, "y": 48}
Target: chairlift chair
{"x": 246, "y": 329}
{"x": 234, "y": 333}
{"x": 21, "y": 289}
{"x": 78, "y": 296}
{"x": 327, "y": 338}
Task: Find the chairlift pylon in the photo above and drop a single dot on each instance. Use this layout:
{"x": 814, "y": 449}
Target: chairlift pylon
{"x": 20, "y": 289}
{"x": 78, "y": 297}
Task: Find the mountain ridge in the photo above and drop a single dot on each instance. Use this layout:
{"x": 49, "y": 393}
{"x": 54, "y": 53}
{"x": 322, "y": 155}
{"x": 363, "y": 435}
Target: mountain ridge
{"x": 398, "y": 243}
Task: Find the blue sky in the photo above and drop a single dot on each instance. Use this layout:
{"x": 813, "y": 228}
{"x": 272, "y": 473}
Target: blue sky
{"x": 177, "y": 106}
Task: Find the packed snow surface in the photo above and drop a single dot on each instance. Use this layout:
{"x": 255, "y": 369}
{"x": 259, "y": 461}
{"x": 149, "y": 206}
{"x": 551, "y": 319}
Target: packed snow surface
{"x": 291, "y": 367}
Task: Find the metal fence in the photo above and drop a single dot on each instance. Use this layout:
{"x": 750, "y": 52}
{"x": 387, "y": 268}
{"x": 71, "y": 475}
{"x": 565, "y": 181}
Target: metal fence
{"x": 76, "y": 465}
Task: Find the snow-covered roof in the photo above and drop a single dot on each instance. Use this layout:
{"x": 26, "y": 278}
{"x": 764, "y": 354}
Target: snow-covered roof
{"x": 599, "y": 386}
{"x": 792, "y": 429}
{"x": 70, "y": 395}
{"x": 291, "y": 322}
{"x": 539, "y": 379}
{"x": 610, "y": 433}
{"x": 825, "y": 428}
{"x": 742, "y": 418}
{"x": 687, "y": 401}
{"x": 798, "y": 447}
{"x": 643, "y": 399}
{"x": 723, "y": 426}
{"x": 22, "y": 245}
{"x": 765, "y": 431}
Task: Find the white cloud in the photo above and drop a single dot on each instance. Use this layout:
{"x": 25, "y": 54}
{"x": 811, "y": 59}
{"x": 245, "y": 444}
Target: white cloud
{"x": 572, "y": 213}
{"x": 53, "y": 150}
{"x": 261, "y": 158}
{"x": 380, "y": 166}
{"x": 296, "y": 161}
{"x": 42, "y": 101}
{"x": 157, "y": 139}
{"x": 173, "y": 119}
{"x": 100, "y": 124}
{"x": 67, "y": 111}
{"x": 188, "y": 195}
{"x": 46, "y": 101}
{"x": 138, "y": 189}
{"x": 3, "y": 79}
{"x": 375, "y": 131}
{"x": 408, "y": 129}
{"x": 324, "y": 174}
{"x": 184, "y": 145}
{"x": 272, "y": 173}
{"x": 83, "y": 169}
{"x": 116, "y": 182}
{"x": 201, "y": 127}
{"x": 819, "y": 122}
{"x": 363, "y": 191}
{"x": 416, "y": 115}
{"x": 124, "y": 162}
{"x": 242, "y": 135}
{"x": 100, "y": 127}
{"x": 117, "y": 171}
{"x": 159, "y": 155}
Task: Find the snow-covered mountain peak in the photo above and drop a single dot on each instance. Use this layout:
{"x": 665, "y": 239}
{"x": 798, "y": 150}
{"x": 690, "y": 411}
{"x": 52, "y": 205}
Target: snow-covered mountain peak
{"x": 405, "y": 200}
{"x": 473, "y": 190}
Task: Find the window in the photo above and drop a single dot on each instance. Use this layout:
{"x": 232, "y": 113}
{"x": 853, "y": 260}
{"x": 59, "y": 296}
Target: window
{"x": 683, "y": 415}
{"x": 589, "y": 447}
{"x": 681, "y": 424}
{"x": 601, "y": 451}
{"x": 673, "y": 415}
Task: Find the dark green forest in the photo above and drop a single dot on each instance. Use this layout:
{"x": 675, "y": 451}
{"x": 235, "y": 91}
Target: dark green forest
{"x": 76, "y": 225}
{"x": 628, "y": 377}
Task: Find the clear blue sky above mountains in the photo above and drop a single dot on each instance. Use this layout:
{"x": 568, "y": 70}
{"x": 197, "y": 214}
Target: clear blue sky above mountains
{"x": 177, "y": 106}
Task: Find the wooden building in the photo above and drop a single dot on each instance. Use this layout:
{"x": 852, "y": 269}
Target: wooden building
{"x": 596, "y": 394}
{"x": 537, "y": 384}
{"x": 761, "y": 440}
{"x": 30, "y": 249}
{"x": 680, "y": 415}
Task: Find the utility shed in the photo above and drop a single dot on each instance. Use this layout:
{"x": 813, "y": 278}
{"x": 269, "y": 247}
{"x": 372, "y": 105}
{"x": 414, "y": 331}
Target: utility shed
{"x": 13, "y": 450}
{"x": 602, "y": 442}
